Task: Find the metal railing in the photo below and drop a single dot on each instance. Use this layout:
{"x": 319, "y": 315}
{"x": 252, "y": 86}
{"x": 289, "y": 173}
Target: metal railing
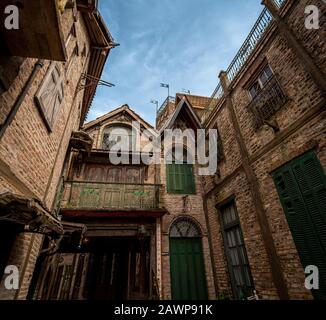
{"x": 165, "y": 104}
{"x": 251, "y": 42}
{"x": 279, "y": 3}
{"x": 268, "y": 101}
{"x": 123, "y": 196}
{"x": 254, "y": 37}
{"x": 217, "y": 94}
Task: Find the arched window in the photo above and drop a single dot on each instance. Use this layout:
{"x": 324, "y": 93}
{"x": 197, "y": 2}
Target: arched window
{"x": 185, "y": 228}
{"x": 118, "y": 134}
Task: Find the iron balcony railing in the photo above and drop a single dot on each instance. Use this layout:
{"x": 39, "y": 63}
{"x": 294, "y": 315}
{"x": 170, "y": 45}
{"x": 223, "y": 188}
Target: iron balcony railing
{"x": 256, "y": 34}
{"x": 268, "y": 101}
{"x": 121, "y": 196}
{"x": 217, "y": 94}
{"x": 279, "y": 3}
{"x": 250, "y": 44}
{"x": 254, "y": 37}
{"x": 165, "y": 104}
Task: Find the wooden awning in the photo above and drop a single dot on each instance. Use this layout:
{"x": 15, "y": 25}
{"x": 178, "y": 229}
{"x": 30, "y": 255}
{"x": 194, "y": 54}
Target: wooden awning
{"x": 81, "y": 140}
{"x": 27, "y": 211}
{"x": 39, "y": 34}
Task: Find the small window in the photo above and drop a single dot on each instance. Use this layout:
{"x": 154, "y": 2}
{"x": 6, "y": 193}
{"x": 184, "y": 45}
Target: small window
{"x": 236, "y": 253}
{"x": 179, "y": 171}
{"x": 185, "y": 228}
{"x": 180, "y": 178}
{"x": 50, "y": 95}
{"x": 118, "y": 136}
{"x": 261, "y": 81}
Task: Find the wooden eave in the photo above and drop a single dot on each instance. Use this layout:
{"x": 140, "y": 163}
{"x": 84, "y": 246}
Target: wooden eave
{"x": 39, "y": 34}
{"x": 28, "y": 211}
{"x": 101, "y": 43}
{"x": 81, "y": 140}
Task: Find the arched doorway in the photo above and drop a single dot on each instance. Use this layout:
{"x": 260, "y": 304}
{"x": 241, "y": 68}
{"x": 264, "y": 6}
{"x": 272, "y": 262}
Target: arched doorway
{"x": 188, "y": 279}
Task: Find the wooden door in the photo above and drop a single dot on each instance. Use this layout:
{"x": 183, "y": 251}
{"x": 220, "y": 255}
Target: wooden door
{"x": 188, "y": 278}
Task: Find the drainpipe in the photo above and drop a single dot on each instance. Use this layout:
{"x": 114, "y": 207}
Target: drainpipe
{"x": 38, "y": 65}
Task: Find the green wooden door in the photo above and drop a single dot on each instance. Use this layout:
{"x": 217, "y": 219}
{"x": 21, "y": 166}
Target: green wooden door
{"x": 188, "y": 278}
{"x": 301, "y": 185}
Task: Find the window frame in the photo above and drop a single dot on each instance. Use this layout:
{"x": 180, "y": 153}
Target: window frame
{"x": 191, "y": 191}
{"x": 257, "y": 80}
{"x": 132, "y": 143}
{"x": 43, "y": 109}
{"x": 227, "y": 227}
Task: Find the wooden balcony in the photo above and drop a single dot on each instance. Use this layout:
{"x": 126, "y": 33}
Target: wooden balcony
{"x": 110, "y": 196}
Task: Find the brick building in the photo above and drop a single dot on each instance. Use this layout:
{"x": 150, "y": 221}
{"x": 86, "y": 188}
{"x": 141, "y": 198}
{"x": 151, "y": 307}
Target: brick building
{"x": 48, "y": 76}
{"x": 138, "y": 218}
{"x": 267, "y": 204}
{"x": 162, "y": 231}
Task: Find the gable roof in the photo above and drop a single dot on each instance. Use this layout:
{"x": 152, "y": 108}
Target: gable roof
{"x": 123, "y": 108}
{"x": 197, "y": 102}
{"x": 183, "y": 105}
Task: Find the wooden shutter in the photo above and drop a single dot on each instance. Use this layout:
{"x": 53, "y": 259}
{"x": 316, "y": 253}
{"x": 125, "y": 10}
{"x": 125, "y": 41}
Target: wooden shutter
{"x": 180, "y": 178}
{"x": 189, "y": 178}
{"x": 170, "y": 177}
{"x": 50, "y": 95}
{"x": 302, "y": 189}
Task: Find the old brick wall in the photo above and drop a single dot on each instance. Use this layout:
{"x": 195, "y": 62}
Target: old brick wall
{"x": 312, "y": 40}
{"x": 182, "y": 205}
{"x": 32, "y": 157}
{"x": 302, "y": 128}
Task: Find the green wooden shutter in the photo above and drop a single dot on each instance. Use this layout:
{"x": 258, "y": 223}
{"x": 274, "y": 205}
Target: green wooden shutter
{"x": 189, "y": 178}
{"x": 169, "y": 177}
{"x": 302, "y": 189}
{"x": 180, "y": 178}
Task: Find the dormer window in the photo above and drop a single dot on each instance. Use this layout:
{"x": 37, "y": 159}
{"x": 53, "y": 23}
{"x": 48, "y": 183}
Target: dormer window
{"x": 118, "y": 138}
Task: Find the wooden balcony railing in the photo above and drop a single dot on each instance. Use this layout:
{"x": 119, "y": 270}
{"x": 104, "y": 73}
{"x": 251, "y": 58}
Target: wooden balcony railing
{"x": 115, "y": 196}
{"x": 268, "y": 101}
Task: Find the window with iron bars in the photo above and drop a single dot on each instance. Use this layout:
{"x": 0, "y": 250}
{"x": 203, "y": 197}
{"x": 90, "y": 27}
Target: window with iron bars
{"x": 267, "y": 97}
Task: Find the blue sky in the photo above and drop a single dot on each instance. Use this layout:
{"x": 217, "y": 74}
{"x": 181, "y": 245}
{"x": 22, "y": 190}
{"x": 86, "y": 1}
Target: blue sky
{"x": 181, "y": 42}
